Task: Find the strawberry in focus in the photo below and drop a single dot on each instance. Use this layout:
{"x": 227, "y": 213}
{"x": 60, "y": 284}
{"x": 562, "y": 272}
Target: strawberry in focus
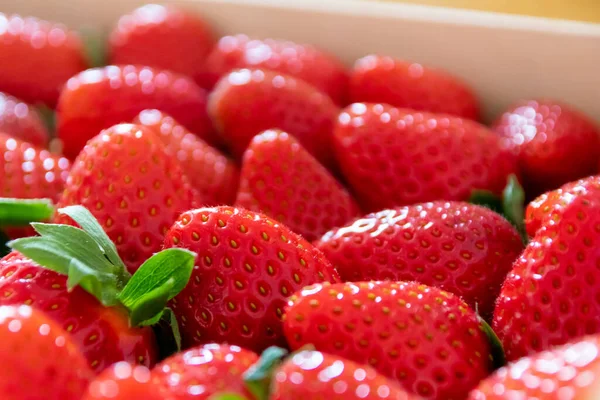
{"x": 21, "y": 121}
{"x": 123, "y": 381}
{"x": 403, "y": 84}
{"x": 98, "y": 98}
{"x": 280, "y": 178}
{"x": 393, "y": 157}
{"x": 39, "y": 359}
{"x": 247, "y": 266}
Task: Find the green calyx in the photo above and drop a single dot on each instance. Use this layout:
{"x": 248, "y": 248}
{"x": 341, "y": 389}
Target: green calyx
{"x": 496, "y": 349}
{"x": 90, "y": 260}
{"x": 258, "y": 376}
{"x": 20, "y": 212}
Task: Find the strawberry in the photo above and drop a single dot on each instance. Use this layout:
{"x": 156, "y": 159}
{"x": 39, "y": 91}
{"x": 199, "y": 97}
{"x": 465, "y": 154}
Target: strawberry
{"x": 246, "y": 102}
{"x": 299, "y": 192}
{"x": 247, "y": 266}
{"x": 39, "y": 360}
{"x": 313, "y": 375}
{"x": 162, "y": 37}
{"x": 426, "y": 338}
{"x": 124, "y": 381}
{"x": 566, "y": 372}
{"x": 21, "y": 121}
{"x": 404, "y": 84}
{"x": 299, "y": 60}
{"x": 37, "y": 57}
{"x": 210, "y": 172}
{"x": 462, "y": 248}
{"x": 555, "y": 143}
{"x": 201, "y": 372}
{"x": 98, "y": 98}
{"x": 393, "y": 157}
{"x": 551, "y": 296}
{"x": 132, "y": 186}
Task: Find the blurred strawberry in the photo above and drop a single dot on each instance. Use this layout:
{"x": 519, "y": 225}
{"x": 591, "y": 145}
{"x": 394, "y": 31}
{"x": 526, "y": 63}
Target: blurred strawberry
{"x": 22, "y": 121}
{"x": 124, "y": 381}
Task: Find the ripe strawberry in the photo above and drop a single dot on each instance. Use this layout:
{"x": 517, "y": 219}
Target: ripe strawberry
{"x": 124, "y": 381}
{"x": 462, "y": 248}
{"x": 21, "y": 121}
{"x": 246, "y": 102}
{"x": 427, "y": 339}
{"x": 566, "y": 372}
{"x": 540, "y": 209}
{"x": 210, "y": 172}
{"x": 201, "y": 372}
{"x": 132, "y": 186}
{"x": 282, "y": 179}
{"x": 37, "y": 57}
{"x": 39, "y": 361}
{"x": 551, "y": 296}
{"x": 162, "y": 37}
{"x": 394, "y": 156}
{"x": 247, "y": 266}
{"x": 101, "y": 97}
{"x": 299, "y": 60}
{"x": 404, "y": 84}
{"x": 102, "y": 334}
{"x": 312, "y": 375}
{"x": 555, "y": 143}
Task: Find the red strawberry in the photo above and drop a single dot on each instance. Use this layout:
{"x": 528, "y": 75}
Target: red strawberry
{"x": 554, "y": 142}
{"x": 101, "y": 97}
{"x": 404, "y": 84}
{"x": 566, "y": 372}
{"x": 103, "y": 334}
{"x": 247, "y": 266}
{"x": 37, "y": 57}
{"x": 462, "y": 248}
{"x": 124, "y": 381}
{"x": 162, "y": 37}
{"x": 312, "y": 375}
{"x": 246, "y": 102}
{"x": 394, "y": 156}
{"x": 132, "y": 186}
{"x": 551, "y": 295}
{"x": 299, "y": 60}
{"x": 39, "y": 361}
{"x": 282, "y": 179}
{"x": 427, "y": 339}
{"x": 540, "y": 209}
{"x": 210, "y": 172}
{"x": 201, "y": 372}
{"x": 21, "y": 121}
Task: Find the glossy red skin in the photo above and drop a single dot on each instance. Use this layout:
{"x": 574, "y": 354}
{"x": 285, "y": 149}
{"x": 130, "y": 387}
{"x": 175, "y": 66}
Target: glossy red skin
{"x": 247, "y": 266}
{"x": 427, "y": 339}
{"x": 209, "y": 171}
{"x": 39, "y": 360}
{"x": 459, "y": 247}
{"x": 300, "y": 192}
{"x": 21, "y": 121}
{"x": 201, "y": 372}
{"x": 551, "y": 295}
{"x": 302, "y": 61}
{"x": 555, "y": 143}
{"x": 124, "y": 381}
{"x": 316, "y": 375}
{"x": 540, "y": 209}
{"x": 37, "y": 57}
{"x": 566, "y": 372}
{"x": 393, "y": 157}
{"x": 162, "y": 37}
{"x": 246, "y": 102}
{"x": 403, "y": 84}
{"x": 102, "y": 334}
{"x": 98, "y": 98}
{"x": 133, "y": 188}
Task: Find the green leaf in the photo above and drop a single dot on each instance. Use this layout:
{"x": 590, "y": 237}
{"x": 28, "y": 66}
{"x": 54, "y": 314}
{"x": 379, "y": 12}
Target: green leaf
{"x": 227, "y": 396}
{"x": 496, "y": 349}
{"x": 487, "y": 199}
{"x": 48, "y": 117}
{"x": 21, "y": 212}
{"x": 170, "y": 316}
{"x": 158, "y": 280}
{"x": 101, "y": 285}
{"x": 513, "y": 205}
{"x": 258, "y": 376}
{"x": 94, "y": 44}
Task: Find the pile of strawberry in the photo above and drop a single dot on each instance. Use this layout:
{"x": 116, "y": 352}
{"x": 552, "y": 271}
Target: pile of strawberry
{"x": 200, "y": 201}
